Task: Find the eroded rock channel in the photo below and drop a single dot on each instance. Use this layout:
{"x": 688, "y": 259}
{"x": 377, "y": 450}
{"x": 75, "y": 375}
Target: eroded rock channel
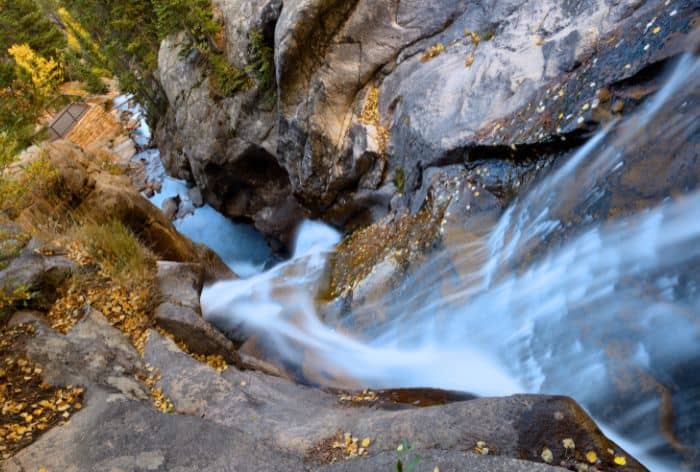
{"x": 442, "y": 235}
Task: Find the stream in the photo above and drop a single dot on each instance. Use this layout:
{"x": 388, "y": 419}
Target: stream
{"x": 239, "y": 245}
{"x": 587, "y": 286}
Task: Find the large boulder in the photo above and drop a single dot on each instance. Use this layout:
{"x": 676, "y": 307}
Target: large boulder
{"x": 180, "y": 315}
{"x": 33, "y": 276}
{"x": 439, "y": 83}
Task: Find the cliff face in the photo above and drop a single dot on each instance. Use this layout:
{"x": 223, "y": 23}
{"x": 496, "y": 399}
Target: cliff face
{"x": 374, "y": 99}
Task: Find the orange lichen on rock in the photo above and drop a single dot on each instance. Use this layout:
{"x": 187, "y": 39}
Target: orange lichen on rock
{"x": 370, "y": 116}
{"x": 407, "y": 237}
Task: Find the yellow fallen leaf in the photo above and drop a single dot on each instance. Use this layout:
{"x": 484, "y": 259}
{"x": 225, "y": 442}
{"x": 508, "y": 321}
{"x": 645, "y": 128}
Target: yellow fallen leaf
{"x": 656, "y": 30}
{"x": 620, "y": 460}
{"x": 366, "y": 442}
{"x": 436, "y": 469}
{"x": 547, "y": 455}
{"x": 592, "y": 457}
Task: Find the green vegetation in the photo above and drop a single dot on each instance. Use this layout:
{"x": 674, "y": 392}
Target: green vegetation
{"x": 118, "y": 252}
{"x": 125, "y": 35}
{"x": 225, "y": 80}
{"x": 194, "y": 16}
{"x": 11, "y": 244}
{"x": 36, "y": 182}
{"x": 403, "y": 464}
{"x": 129, "y": 33}
{"x": 25, "y": 88}
{"x": 46, "y": 42}
{"x": 24, "y": 22}
{"x": 17, "y": 298}
{"x": 399, "y": 180}
{"x": 41, "y": 46}
{"x": 261, "y": 58}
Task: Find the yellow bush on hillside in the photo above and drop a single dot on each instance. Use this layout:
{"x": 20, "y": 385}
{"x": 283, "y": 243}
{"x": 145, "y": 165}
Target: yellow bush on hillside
{"x": 45, "y": 74}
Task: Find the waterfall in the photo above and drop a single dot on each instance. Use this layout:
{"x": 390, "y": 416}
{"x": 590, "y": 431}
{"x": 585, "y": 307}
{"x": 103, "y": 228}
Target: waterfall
{"x": 588, "y": 286}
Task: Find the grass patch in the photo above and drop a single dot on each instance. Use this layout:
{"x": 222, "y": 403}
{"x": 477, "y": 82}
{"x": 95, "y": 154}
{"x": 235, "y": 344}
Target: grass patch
{"x": 224, "y": 79}
{"x": 38, "y": 181}
{"x": 261, "y": 59}
{"x": 119, "y": 253}
{"x": 399, "y": 179}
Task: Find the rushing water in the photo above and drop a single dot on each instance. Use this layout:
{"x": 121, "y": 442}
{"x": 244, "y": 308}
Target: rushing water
{"x": 239, "y": 245}
{"x": 588, "y": 285}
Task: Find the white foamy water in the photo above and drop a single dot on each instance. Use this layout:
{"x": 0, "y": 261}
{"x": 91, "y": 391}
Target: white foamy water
{"x": 579, "y": 289}
{"x": 239, "y": 245}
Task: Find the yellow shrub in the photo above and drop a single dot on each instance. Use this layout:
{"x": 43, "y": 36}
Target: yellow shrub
{"x": 38, "y": 180}
{"x": 45, "y": 74}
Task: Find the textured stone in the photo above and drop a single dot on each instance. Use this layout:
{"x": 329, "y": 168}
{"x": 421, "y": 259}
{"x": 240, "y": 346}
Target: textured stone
{"x": 373, "y": 95}
{"x": 188, "y": 326}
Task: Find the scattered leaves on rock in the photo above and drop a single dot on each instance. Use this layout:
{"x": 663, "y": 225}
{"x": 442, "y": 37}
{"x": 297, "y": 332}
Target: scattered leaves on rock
{"x": 547, "y": 455}
{"x": 215, "y": 361}
{"x": 592, "y": 457}
{"x": 370, "y": 116}
{"x": 482, "y": 449}
{"x": 406, "y": 238}
{"x": 341, "y": 446}
{"x": 30, "y": 406}
{"x": 366, "y": 396}
{"x": 160, "y": 401}
{"x": 433, "y": 51}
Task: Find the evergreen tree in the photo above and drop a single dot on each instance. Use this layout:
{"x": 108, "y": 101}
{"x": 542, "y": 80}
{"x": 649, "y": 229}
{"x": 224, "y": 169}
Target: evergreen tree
{"x": 24, "y": 22}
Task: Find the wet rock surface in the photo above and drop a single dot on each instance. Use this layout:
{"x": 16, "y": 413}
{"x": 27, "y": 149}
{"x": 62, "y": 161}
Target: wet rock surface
{"x": 252, "y": 420}
{"x": 143, "y": 407}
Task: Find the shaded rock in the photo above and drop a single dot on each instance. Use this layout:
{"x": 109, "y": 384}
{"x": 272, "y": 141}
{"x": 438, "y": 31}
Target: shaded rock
{"x": 25, "y": 317}
{"x": 180, "y": 283}
{"x": 227, "y": 146}
{"x": 253, "y": 421}
{"x": 32, "y": 277}
{"x": 170, "y": 207}
{"x": 115, "y": 433}
{"x": 446, "y": 461}
{"x": 195, "y": 195}
{"x": 433, "y": 107}
{"x": 93, "y": 354}
{"x": 180, "y": 286}
{"x": 372, "y": 96}
{"x": 297, "y": 419}
{"x": 188, "y": 326}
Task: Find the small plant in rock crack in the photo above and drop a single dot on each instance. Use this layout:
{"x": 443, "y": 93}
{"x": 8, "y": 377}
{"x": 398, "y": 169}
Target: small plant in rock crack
{"x": 407, "y": 462}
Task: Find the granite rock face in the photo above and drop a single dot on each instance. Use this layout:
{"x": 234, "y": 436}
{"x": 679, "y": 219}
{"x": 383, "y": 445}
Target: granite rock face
{"x": 371, "y": 96}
